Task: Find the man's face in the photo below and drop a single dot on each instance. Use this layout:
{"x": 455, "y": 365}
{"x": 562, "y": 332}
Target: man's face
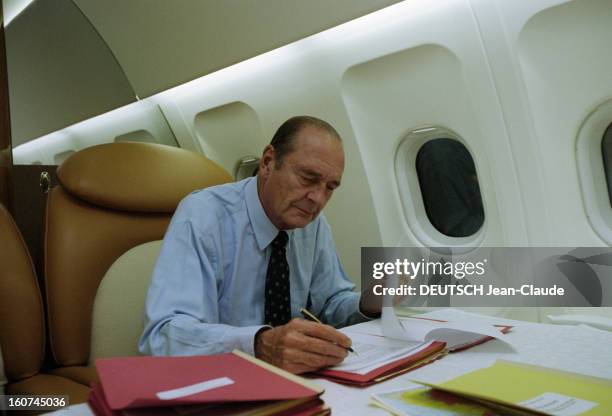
{"x": 294, "y": 194}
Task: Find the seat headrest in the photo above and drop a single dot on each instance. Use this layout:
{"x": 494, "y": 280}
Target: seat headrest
{"x": 137, "y": 177}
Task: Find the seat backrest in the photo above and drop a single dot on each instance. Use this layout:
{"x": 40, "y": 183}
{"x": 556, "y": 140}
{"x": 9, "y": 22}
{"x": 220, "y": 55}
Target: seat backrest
{"x": 22, "y": 331}
{"x": 110, "y": 198}
{"x": 119, "y": 304}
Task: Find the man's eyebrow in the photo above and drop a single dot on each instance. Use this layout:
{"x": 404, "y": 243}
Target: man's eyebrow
{"x": 316, "y": 175}
{"x": 309, "y": 172}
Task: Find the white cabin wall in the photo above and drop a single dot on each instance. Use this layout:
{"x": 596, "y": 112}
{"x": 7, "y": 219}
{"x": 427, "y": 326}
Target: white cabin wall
{"x": 549, "y": 63}
{"x": 565, "y": 59}
{"x": 140, "y": 119}
{"x": 566, "y": 69}
{"x": 435, "y": 72}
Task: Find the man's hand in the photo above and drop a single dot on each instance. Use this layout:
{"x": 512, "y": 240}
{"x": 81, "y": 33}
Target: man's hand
{"x": 301, "y": 346}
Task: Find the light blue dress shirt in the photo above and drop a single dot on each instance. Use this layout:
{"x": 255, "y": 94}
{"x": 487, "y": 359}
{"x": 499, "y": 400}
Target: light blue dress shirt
{"x": 207, "y": 291}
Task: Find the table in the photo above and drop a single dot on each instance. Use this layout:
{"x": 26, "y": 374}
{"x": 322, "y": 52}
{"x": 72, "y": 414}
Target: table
{"x": 579, "y": 349}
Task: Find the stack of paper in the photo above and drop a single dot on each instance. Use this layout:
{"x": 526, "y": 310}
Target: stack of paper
{"x": 378, "y": 360}
{"x": 456, "y": 334}
{"x": 388, "y": 347}
{"x": 225, "y": 384}
{"x": 424, "y": 401}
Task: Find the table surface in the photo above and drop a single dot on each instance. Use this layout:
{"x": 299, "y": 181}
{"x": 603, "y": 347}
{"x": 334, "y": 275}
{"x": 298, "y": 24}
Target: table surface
{"x": 579, "y": 349}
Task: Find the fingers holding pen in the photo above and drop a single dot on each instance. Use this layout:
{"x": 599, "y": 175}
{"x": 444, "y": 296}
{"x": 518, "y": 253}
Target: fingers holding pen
{"x": 301, "y": 346}
{"x": 323, "y": 332}
{"x": 315, "y": 338}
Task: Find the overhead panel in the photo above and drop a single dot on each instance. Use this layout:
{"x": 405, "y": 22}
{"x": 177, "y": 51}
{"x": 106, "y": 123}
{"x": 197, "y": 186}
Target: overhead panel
{"x": 161, "y": 44}
{"x": 60, "y": 71}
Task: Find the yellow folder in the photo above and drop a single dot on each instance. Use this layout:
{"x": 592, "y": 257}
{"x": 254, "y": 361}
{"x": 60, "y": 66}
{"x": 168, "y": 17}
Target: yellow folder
{"x": 534, "y": 389}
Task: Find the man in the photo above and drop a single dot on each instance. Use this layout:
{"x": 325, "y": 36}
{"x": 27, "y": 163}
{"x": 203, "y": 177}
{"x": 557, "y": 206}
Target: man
{"x": 240, "y": 260}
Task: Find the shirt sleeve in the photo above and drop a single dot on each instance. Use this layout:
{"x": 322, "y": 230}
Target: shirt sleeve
{"x": 332, "y": 293}
{"x": 181, "y": 309}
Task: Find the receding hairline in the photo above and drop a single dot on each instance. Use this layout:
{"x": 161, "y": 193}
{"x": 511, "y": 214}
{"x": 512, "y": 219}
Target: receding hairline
{"x": 284, "y": 139}
{"x": 308, "y": 121}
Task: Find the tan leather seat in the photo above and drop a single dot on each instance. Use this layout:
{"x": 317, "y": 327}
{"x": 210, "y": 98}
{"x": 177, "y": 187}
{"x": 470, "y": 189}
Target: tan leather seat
{"x": 22, "y": 329}
{"x": 110, "y": 198}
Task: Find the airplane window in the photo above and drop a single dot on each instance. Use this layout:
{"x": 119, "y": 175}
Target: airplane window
{"x": 246, "y": 167}
{"x": 449, "y": 185}
{"x": 606, "y": 150}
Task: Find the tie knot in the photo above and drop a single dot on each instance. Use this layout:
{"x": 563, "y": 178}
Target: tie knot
{"x": 281, "y": 240}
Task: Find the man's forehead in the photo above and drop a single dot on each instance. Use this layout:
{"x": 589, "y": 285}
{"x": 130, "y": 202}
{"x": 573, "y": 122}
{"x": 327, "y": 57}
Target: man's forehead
{"x": 311, "y": 130}
{"x": 315, "y": 139}
{"x": 325, "y": 162}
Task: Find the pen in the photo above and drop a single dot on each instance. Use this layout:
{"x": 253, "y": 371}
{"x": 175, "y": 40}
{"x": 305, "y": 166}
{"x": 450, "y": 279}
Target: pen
{"x": 309, "y": 315}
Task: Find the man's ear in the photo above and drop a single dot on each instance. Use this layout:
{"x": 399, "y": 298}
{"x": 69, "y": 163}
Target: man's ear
{"x": 267, "y": 161}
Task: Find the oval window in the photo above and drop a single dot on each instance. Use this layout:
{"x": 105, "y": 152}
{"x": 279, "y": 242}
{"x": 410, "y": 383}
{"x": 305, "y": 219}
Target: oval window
{"x": 449, "y": 185}
{"x": 606, "y": 151}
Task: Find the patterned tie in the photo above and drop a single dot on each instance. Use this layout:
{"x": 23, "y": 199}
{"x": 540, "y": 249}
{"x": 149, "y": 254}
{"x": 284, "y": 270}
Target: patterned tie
{"x": 278, "y": 297}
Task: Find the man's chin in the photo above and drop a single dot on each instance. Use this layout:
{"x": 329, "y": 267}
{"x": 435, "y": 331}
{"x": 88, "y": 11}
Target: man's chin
{"x": 299, "y": 221}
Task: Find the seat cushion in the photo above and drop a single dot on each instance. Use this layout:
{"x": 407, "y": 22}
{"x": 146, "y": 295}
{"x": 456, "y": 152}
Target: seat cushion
{"x": 84, "y": 375}
{"x": 50, "y": 384}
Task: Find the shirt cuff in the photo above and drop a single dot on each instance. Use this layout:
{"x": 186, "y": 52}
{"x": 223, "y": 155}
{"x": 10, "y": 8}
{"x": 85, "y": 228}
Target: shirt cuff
{"x": 367, "y": 316}
{"x": 245, "y": 337}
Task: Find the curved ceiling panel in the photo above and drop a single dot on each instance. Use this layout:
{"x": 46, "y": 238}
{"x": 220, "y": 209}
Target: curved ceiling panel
{"x": 161, "y": 44}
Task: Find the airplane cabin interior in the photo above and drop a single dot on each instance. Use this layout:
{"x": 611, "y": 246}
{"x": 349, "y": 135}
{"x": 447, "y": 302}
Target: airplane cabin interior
{"x": 465, "y": 124}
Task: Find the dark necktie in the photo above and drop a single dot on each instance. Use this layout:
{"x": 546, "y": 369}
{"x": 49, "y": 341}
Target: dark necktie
{"x": 278, "y": 297}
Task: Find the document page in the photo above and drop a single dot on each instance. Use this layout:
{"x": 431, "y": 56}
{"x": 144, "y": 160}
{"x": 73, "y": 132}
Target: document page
{"x": 374, "y": 351}
{"x": 454, "y": 334}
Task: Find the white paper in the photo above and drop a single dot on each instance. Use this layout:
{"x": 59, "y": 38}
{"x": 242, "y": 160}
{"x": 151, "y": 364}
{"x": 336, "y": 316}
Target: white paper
{"x": 375, "y": 351}
{"x": 599, "y": 322}
{"x": 558, "y": 404}
{"x": 455, "y": 334}
{"x": 195, "y": 388}
{"x": 392, "y": 327}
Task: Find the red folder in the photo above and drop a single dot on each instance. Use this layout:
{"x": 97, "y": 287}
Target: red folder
{"x": 135, "y": 382}
{"x": 300, "y": 407}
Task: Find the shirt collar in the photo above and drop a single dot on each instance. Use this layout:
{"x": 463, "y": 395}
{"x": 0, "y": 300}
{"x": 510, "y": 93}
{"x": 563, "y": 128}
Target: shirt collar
{"x": 263, "y": 228}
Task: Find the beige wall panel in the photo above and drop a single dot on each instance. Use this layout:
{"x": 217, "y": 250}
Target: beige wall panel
{"x": 60, "y": 70}
{"x": 161, "y": 44}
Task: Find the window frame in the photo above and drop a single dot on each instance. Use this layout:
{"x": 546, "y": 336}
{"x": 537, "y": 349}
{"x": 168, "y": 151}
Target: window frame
{"x": 591, "y": 170}
{"x": 411, "y": 196}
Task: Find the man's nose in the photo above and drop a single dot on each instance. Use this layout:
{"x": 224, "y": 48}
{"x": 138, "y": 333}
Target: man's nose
{"x": 318, "y": 195}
